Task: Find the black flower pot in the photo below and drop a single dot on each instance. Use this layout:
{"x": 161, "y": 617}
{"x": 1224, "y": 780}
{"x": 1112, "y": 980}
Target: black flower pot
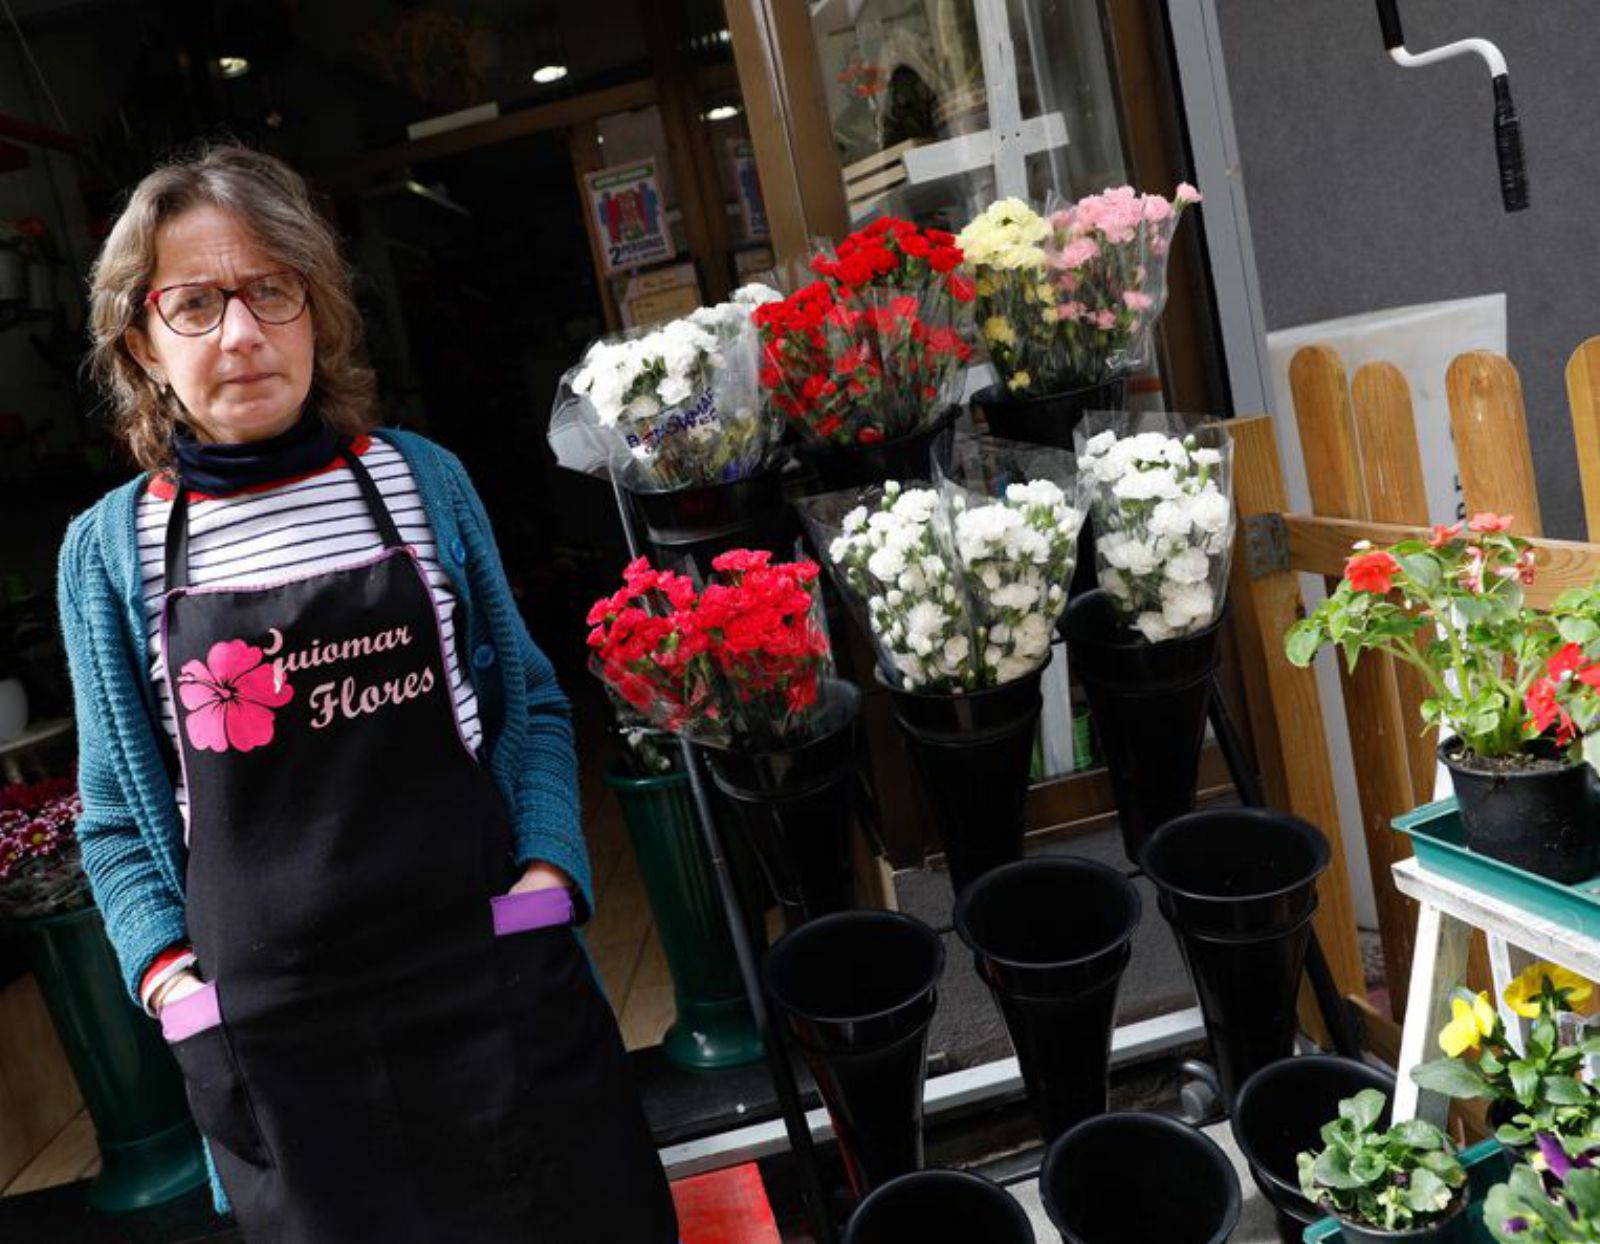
{"x": 1279, "y": 1114}
{"x": 903, "y": 458}
{"x": 1542, "y": 821}
{"x": 1138, "y": 1179}
{"x": 1051, "y": 419}
{"x": 939, "y": 1207}
{"x": 794, "y": 804}
{"x": 1239, "y": 888}
{"x": 856, "y": 991}
{"x": 972, "y": 752}
{"x": 698, "y": 524}
{"x": 1149, "y": 704}
{"x": 1051, "y": 938}
{"x": 1451, "y": 1230}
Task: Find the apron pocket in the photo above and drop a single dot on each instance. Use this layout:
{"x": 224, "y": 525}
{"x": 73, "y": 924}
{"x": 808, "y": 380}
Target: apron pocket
{"x": 217, "y": 1095}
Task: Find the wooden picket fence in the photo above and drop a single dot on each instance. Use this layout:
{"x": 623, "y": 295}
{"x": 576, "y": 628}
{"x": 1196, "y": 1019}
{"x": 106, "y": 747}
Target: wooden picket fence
{"x": 1359, "y": 438}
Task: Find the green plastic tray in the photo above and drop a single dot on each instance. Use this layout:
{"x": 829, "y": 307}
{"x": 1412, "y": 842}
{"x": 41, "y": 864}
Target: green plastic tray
{"x": 1436, "y": 836}
{"x": 1487, "y": 1165}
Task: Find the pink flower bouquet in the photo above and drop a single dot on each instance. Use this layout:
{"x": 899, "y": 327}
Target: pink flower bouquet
{"x": 40, "y": 871}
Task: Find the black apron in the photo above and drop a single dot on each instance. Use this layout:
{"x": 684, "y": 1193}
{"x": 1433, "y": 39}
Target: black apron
{"x": 386, "y": 1068}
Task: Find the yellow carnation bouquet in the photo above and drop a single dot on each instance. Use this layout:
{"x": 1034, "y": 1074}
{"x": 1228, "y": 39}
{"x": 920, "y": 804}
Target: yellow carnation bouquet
{"x": 1016, "y": 304}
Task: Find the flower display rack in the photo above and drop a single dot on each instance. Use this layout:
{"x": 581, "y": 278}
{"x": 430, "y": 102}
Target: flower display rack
{"x": 1364, "y": 470}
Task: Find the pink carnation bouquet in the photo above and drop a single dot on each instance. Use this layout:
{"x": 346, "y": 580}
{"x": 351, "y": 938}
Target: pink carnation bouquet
{"x": 1106, "y": 263}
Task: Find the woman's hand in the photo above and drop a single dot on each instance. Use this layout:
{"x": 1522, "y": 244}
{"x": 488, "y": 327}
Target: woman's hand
{"x": 541, "y": 876}
{"x": 180, "y": 986}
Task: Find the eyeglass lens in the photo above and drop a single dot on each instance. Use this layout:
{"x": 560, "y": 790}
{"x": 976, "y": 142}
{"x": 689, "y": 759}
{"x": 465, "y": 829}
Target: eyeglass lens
{"x": 276, "y": 298}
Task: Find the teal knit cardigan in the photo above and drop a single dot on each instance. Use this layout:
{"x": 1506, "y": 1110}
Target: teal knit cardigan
{"x": 131, "y": 831}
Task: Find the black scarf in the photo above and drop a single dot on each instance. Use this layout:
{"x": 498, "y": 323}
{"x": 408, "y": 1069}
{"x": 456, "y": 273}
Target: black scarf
{"x": 216, "y": 470}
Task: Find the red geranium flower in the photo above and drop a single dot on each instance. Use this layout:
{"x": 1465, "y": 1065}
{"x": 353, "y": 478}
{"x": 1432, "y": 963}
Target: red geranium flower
{"x": 1442, "y": 535}
{"x": 1489, "y": 523}
{"x": 1545, "y": 710}
{"x": 1372, "y": 572}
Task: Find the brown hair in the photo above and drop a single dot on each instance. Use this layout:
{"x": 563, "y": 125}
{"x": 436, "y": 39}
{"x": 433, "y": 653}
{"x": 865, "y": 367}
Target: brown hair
{"x": 271, "y": 201}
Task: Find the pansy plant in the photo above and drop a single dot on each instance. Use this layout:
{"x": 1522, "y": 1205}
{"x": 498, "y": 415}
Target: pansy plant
{"x": 1555, "y": 1199}
{"x": 1395, "y": 1179}
{"x": 1544, "y": 1079}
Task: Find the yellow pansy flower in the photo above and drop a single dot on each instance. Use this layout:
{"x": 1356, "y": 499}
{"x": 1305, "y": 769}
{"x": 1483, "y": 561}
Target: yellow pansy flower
{"x": 1522, "y": 995}
{"x": 1048, "y": 315}
{"x": 1019, "y": 381}
{"x": 1470, "y": 1022}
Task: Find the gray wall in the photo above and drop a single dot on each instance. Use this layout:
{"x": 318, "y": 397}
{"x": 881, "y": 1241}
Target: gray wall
{"x": 1374, "y": 186}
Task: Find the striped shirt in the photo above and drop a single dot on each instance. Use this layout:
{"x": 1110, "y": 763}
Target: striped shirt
{"x": 308, "y": 525}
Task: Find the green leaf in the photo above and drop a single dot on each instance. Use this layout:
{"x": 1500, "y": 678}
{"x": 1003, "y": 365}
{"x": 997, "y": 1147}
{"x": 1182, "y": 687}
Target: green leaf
{"x": 1566, "y": 1091}
{"x": 1578, "y": 630}
{"x": 1303, "y": 641}
{"x": 1423, "y": 570}
{"x": 1427, "y": 1194}
{"x": 1583, "y": 1190}
{"x": 1451, "y": 1077}
{"x": 1333, "y": 1170}
{"x": 1364, "y": 1109}
{"x": 1525, "y": 1081}
{"x": 1417, "y": 1134}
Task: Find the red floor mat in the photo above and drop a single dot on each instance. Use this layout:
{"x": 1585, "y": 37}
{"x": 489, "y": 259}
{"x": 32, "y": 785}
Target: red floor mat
{"x": 725, "y": 1207}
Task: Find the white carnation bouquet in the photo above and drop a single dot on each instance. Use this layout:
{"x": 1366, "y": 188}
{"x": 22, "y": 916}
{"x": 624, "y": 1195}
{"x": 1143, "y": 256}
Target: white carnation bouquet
{"x": 1161, "y": 493}
{"x": 676, "y": 406}
{"x": 960, "y": 585}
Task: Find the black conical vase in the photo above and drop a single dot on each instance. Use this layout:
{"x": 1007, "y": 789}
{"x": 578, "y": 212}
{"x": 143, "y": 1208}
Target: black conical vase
{"x": 903, "y": 458}
{"x": 1138, "y": 1179}
{"x": 856, "y": 991}
{"x": 700, "y": 523}
{"x": 794, "y": 804}
{"x": 1279, "y": 1114}
{"x": 1051, "y": 937}
{"x": 1239, "y": 888}
{"x": 1051, "y": 419}
{"x": 1149, "y": 704}
{"x": 939, "y": 1207}
{"x": 972, "y": 752}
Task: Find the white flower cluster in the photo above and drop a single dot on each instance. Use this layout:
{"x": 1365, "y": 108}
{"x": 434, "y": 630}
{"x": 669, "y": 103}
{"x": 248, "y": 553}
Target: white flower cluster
{"x": 958, "y": 596}
{"x": 636, "y": 378}
{"x": 1163, "y": 522}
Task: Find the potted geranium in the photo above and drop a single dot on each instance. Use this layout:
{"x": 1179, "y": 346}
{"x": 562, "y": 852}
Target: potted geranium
{"x": 1452, "y": 606}
{"x": 1067, "y": 302}
{"x": 150, "y": 1150}
{"x": 742, "y": 666}
{"x": 673, "y": 412}
{"x": 865, "y": 363}
{"x": 1385, "y": 1184}
{"x": 1160, "y": 491}
{"x": 1537, "y": 1088}
{"x": 959, "y": 587}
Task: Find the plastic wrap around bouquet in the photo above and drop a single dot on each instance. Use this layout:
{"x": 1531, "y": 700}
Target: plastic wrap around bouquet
{"x": 675, "y": 415}
{"x": 866, "y": 361}
{"x": 960, "y": 585}
{"x": 743, "y": 667}
{"x": 1066, "y": 303}
{"x": 1160, "y": 490}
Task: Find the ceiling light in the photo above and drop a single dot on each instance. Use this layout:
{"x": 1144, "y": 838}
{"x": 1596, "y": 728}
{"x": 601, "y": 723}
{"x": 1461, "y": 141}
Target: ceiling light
{"x": 233, "y": 66}
{"x": 722, "y": 112}
{"x": 546, "y": 74}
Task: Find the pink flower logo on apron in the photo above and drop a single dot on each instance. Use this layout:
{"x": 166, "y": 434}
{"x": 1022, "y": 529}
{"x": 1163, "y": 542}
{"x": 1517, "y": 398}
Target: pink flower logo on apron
{"x": 231, "y": 698}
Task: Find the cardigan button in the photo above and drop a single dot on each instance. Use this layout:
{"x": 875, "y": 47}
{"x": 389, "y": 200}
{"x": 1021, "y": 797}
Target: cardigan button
{"x": 483, "y": 656}
{"x": 458, "y": 550}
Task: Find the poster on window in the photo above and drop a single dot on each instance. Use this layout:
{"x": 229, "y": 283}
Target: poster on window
{"x": 752, "y": 207}
{"x": 630, "y": 218}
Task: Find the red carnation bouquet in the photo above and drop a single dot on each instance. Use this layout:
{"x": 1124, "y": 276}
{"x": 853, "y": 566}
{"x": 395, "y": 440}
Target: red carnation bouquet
{"x": 40, "y": 870}
{"x": 738, "y": 663}
{"x": 874, "y": 349}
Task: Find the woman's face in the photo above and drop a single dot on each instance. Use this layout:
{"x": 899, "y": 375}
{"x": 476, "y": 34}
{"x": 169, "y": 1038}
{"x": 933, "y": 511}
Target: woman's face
{"x": 243, "y": 380}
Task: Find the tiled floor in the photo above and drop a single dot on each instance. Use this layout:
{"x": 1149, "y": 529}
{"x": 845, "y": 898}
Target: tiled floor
{"x": 622, "y": 940}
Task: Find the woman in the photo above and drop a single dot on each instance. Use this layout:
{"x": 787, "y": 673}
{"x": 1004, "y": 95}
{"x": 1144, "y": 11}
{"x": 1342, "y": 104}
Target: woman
{"x": 329, "y": 787}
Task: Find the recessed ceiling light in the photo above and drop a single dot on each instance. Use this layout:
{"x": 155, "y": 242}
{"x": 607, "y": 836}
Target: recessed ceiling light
{"x": 546, "y": 74}
{"x": 723, "y": 112}
{"x": 233, "y": 66}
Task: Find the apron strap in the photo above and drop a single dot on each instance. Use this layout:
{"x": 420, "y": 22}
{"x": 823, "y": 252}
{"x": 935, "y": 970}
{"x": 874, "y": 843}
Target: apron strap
{"x": 375, "y": 506}
{"x": 177, "y": 547}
